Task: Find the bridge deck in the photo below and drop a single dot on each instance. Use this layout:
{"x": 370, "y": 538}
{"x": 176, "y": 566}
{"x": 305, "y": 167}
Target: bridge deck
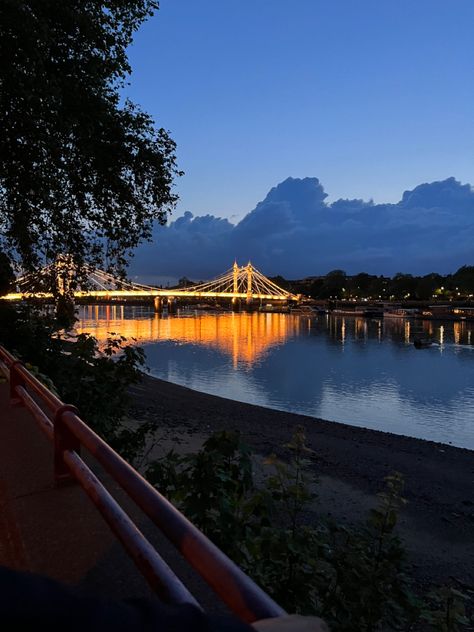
{"x": 16, "y": 296}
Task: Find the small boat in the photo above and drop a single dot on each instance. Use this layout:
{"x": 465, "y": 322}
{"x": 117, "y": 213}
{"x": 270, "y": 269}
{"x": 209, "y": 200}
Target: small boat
{"x": 373, "y": 312}
{"x": 276, "y": 309}
{"x": 423, "y": 343}
{"x": 303, "y": 309}
{"x": 361, "y": 312}
{"x": 348, "y": 312}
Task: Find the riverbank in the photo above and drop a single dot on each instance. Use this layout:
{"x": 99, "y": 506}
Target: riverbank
{"x": 437, "y": 524}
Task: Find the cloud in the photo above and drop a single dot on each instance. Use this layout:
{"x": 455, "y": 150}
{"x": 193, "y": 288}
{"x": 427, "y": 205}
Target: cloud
{"x": 296, "y": 233}
{"x": 449, "y": 194}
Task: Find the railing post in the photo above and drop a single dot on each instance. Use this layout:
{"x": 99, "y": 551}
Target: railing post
{"x": 63, "y": 440}
{"x": 15, "y": 380}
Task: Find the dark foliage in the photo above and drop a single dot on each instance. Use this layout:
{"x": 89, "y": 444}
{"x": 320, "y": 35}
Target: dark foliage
{"x": 80, "y": 172}
{"x": 7, "y": 276}
{"x": 94, "y": 378}
{"x": 355, "y": 578}
{"x": 338, "y": 285}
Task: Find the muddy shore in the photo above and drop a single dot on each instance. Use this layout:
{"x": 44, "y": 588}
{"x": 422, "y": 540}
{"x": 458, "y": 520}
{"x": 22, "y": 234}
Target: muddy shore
{"x": 437, "y": 524}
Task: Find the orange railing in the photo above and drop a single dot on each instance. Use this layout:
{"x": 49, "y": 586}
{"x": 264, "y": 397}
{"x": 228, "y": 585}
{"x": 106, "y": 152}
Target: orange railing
{"x": 62, "y": 425}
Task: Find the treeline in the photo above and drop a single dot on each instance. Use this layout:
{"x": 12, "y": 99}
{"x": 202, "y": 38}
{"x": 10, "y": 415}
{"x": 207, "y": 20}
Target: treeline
{"x": 338, "y": 285}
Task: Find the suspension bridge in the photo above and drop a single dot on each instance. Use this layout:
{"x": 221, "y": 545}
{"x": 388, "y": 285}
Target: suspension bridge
{"x": 244, "y": 283}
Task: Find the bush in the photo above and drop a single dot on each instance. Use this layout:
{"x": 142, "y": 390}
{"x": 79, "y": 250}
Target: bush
{"x": 94, "y": 378}
{"x": 355, "y": 578}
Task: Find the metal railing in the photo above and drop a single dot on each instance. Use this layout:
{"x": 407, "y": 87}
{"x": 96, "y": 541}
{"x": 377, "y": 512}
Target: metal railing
{"x": 62, "y": 425}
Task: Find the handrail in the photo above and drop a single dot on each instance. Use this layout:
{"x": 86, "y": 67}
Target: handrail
{"x": 62, "y": 425}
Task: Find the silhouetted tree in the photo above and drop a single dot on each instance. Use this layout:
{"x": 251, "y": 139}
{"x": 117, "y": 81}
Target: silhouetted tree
{"x": 184, "y": 282}
{"x": 457, "y": 285}
{"x": 360, "y": 283}
{"x": 464, "y": 279}
{"x": 316, "y": 288}
{"x": 6, "y": 274}
{"x": 403, "y": 285}
{"x": 81, "y": 172}
{"x": 282, "y": 282}
{"x": 427, "y": 285}
{"x": 334, "y": 283}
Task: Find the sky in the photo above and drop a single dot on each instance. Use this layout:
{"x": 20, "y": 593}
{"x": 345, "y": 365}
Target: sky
{"x": 373, "y": 97}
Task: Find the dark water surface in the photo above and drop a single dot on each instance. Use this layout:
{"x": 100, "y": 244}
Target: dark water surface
{"x": 363, "y": 372}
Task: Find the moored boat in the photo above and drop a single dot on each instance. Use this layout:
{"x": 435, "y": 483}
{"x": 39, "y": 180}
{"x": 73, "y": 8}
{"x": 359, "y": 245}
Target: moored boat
{"x": 400, "y": 313}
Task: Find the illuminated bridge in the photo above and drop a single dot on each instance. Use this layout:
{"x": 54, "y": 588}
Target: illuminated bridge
{"x": 239, "y": 283}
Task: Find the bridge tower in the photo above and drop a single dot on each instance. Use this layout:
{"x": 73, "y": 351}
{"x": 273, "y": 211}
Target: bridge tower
{"x": 235, "y": 287}
{"x": 236, "y": 277}
{"x": 249, "y": 284}
{"x": 64, "y": 271}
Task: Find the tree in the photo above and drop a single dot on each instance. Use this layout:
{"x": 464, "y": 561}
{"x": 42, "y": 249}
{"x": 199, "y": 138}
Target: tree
{"x": 281, "y": 282}
{"x": 403, "y": 285}
{"x": 427, "y": 285}
{"x": 464, "y": 279}
{"x": 81, "y": 172}
{"x": 360, "y": 284}
{"x": 334, "y": 284}
{"x": 184, "y": 282}
{"x": 6, "y": 274}
{"x": 316, "y": 287}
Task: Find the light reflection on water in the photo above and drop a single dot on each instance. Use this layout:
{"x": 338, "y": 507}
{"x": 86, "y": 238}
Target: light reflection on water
{"x": 363, "y": 372}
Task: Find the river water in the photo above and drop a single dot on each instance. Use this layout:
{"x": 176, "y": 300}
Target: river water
{"x": 363, "y": 372}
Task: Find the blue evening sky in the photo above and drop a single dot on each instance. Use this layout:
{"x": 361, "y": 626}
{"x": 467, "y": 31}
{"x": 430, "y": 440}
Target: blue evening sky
{"x": 371, "y": 96}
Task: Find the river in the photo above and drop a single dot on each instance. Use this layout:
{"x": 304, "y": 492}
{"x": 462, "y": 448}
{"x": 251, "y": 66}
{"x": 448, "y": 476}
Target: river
{"x": 363, "y": 372}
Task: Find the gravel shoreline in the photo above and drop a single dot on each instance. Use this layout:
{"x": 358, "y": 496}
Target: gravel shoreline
{"x": 437, "y": 524}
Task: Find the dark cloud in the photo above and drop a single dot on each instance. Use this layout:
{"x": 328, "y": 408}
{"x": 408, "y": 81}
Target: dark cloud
{"x": 294, "y": 232}
{"x": 449, "y": 194}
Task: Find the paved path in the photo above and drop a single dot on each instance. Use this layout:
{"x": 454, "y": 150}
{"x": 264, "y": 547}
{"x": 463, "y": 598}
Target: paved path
{"x": 54, "y": 531}
{"x": 57, "y": 531}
